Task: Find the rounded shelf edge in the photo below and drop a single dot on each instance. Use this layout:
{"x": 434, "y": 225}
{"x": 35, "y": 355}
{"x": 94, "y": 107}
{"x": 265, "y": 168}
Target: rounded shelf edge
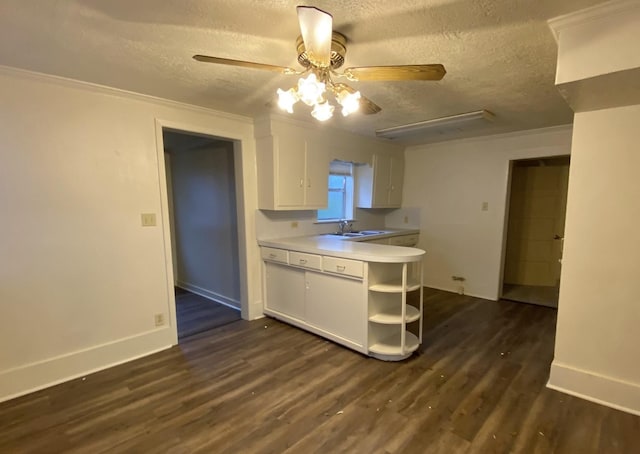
{"x": 395, "y": 318}
{"x": 393, "y": 287}
{"x": 389, "y": 349}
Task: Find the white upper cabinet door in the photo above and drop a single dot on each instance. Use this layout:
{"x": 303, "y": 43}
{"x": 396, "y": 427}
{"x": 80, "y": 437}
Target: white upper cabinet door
{"x": 293, "y": 172}
{"x": 381, "y": 182}
{"x": 396, "y": 179}
{"x": 380, "y": 186}
{"x": 317, "y": 177}
{"x": 289, "y": 171}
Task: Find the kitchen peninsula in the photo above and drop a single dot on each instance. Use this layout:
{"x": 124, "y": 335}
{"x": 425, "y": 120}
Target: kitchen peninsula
{"x": 356, "y": 293}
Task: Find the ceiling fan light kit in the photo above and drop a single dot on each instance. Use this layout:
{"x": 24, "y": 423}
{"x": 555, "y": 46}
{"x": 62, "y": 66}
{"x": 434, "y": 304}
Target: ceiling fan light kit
{"x": 321, "y": 52}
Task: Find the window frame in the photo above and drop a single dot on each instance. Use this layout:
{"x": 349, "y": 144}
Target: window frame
{"x": 345, "y": 170}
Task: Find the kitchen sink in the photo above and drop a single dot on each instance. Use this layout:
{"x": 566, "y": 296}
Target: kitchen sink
{"x": 357, "y": 233}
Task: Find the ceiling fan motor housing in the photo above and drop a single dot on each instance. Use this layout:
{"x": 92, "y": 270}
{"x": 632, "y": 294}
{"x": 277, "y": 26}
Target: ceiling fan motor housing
{"x": 338, "y": 51}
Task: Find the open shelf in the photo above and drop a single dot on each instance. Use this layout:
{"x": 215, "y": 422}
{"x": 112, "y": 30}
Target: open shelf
{"x": 393, "y": 316}
{"x": 390, "y": 346}
{"x": 394, "y": 286}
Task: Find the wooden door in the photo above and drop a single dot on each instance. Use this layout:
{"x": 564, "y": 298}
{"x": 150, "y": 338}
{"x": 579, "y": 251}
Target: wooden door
{"x": 536, "y": 223}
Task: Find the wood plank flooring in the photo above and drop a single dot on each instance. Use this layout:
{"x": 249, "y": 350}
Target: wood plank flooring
{"x": 532, "y": 294}
{"x": 476, "y": 386}
{"x": 196, "y": 313}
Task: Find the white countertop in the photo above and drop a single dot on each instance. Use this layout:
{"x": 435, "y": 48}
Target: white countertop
{"x": 349, "y": 247}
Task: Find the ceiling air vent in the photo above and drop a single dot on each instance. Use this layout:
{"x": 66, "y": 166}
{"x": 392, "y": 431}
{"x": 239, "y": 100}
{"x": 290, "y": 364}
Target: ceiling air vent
{"x": 443, "y": 126}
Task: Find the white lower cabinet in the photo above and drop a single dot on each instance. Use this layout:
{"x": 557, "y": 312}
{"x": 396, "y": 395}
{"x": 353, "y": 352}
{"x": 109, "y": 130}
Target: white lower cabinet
{"x": 285, "y": 290}
{"x": 374, "y": 308}
{"x": 336, "y": 305}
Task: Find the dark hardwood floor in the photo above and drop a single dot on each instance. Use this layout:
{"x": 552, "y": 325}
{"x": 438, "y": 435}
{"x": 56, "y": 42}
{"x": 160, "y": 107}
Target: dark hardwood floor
{"x": 477, "y": 385}
{"x": 196, "y": 314}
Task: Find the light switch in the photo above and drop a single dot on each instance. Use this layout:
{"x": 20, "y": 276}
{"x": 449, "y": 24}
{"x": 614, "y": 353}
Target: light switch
{"x": 148, "y": 219}
{"x": 485, "y": 206}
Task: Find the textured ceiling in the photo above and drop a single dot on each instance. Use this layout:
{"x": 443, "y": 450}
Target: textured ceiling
{"x": 499, "y": 54}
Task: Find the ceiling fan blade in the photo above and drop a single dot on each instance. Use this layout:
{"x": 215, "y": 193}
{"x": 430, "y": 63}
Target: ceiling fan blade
{"x": 367, "y": 107}
{"x": 403, "y": 72}
{"x": 244, "y": 64}
{"x": 315, "y": 27}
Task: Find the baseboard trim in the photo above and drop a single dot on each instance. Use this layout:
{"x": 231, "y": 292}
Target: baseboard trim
{"x": 208, "y": 294}
{"x": 452, "y": 290}
{"x": 33, "y": 377}
{"x": 601, "y": 389}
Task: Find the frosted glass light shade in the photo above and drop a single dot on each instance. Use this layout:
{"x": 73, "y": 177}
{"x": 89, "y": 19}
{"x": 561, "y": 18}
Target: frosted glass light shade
{"x": 322, "y": 111}
{"x": 350, "y": 102}
{"x": 310, "y": 90}
{"x": 286, "y": 99}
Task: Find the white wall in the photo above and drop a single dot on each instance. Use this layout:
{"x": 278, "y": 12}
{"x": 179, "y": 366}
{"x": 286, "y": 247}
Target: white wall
{"x": 608, "y": 31}
{"x": 448, "y": 182}
{"x": 598, "y": 333}
{"x": 205, "y": 221}
{"x": 80, "y": 279}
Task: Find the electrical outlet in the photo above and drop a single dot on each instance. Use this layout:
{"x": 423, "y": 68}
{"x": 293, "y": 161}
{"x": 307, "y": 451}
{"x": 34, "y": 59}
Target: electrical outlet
{"x": 485, "y": 206}
{"x": 148, "y": 219}
{"x": 406, "y": 219}
{"x": 159, "y": 319}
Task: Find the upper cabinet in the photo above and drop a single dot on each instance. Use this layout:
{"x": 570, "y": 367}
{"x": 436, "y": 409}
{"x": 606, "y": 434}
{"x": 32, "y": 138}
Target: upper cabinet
{"x": 292, "y": 172}
{"x": 293, "y": 165}
{"x": 380, "y": 185}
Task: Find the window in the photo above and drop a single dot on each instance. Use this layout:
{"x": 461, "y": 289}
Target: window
{"x": 340, "y": 200}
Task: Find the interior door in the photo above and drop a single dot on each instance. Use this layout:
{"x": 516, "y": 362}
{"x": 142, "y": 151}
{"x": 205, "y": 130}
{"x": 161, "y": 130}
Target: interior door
{"x": 535, "y": 230}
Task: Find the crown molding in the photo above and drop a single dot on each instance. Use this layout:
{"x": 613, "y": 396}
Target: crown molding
{"x": 591, "y": 14}
{"x": 104, "y": 89}
{"x": 559, "y": 129}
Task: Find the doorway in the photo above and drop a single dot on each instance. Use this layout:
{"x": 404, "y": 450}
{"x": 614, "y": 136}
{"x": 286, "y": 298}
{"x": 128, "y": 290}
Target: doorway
{"x": 535, "y": 230}
{"x": 204, "y": 230}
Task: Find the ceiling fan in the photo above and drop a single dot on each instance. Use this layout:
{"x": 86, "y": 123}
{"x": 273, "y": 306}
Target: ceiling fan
{"x": 321, "y": 52}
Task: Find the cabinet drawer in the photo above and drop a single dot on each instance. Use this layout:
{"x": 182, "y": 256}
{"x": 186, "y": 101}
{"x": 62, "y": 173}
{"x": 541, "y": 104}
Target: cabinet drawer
{"x": 342, "y": 266}
{"x": 305, "y": 260}
{"x": 274, "y": 255}
{"x": 404, "y": 240}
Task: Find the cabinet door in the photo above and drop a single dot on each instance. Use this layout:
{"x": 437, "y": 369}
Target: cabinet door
{"x": 285, "y": 290}
{"x": 396, "y": 177}
{"x": 289, "y": 170}
{"x": 317, "y": 177}
{"x": 336, "y": 305}
{"x": 381, "y": 182}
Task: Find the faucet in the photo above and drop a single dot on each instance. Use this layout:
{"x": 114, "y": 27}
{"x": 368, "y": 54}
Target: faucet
{"x": 344, "y": 226}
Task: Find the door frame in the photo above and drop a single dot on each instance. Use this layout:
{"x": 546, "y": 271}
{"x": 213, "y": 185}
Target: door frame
{"x": 507, "y": 204}
{"x": 244, "y": 162}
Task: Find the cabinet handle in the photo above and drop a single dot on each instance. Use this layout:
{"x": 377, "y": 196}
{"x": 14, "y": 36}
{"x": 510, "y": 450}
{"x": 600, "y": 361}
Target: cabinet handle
{"x": 301, "y": 183}
{"x": 308, "y": 182}
{"x": 272, "y": 255}
{"x": 303, "y": 261}
{"x": 340, "y": 267}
